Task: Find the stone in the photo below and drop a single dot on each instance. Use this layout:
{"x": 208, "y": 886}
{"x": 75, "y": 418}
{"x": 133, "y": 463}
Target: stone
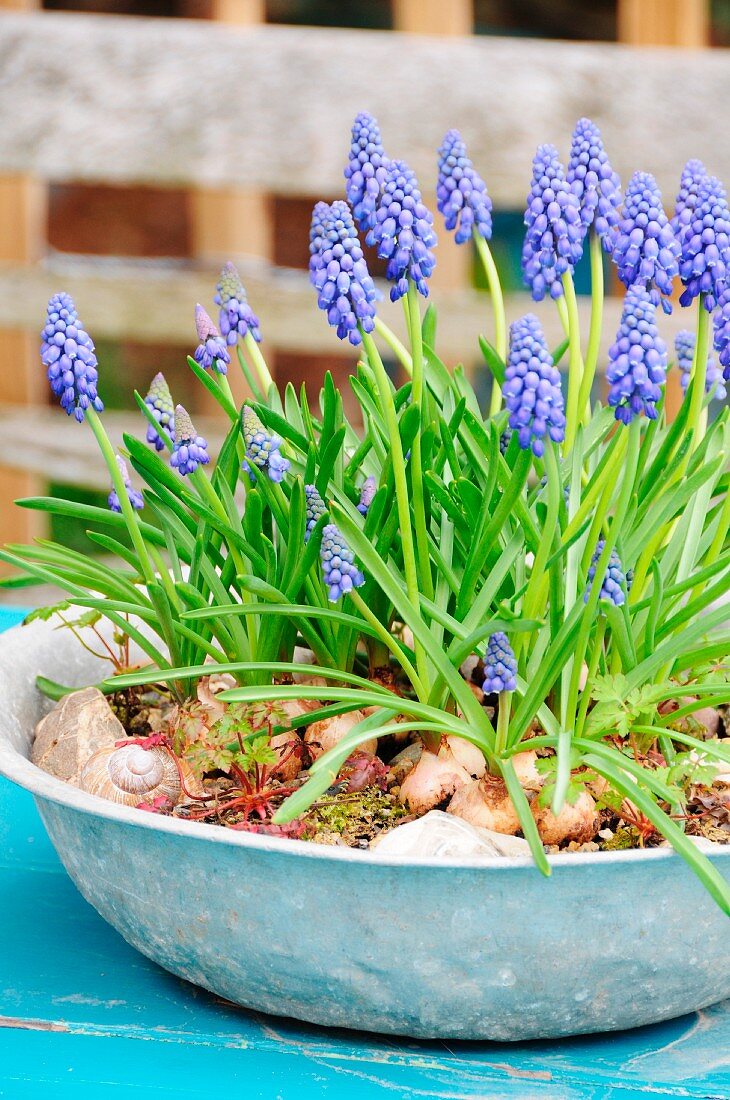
{"x": 79, "y": 725}
{"x": 439, "y": 834}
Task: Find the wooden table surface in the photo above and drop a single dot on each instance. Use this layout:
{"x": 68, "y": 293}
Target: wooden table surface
{"x": 83, "y": 1015}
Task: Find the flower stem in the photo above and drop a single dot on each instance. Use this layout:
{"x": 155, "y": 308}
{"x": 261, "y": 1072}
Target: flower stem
{"x": 575, "y": 363}
{"x": 500, "y": 317}
{"x": 503, "y": 712}
{"x": 390, "y": 643}
{"x": 401, "y": 490}
{"x": 699, "y": 374}
{"x": 399, "y": 349}
{"x": 419, "y": 501}
{"x": 259, "y": 362}
{"x": 594, "y": 337}
{"x": 130, "y": 516}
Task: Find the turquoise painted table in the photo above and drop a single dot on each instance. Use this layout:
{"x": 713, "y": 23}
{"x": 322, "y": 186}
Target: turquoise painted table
{"x": 82, "y": 1016}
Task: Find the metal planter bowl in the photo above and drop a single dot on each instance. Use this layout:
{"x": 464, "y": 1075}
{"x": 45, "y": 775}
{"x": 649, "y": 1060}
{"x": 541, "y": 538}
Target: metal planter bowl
{"x": 442, "y": 949}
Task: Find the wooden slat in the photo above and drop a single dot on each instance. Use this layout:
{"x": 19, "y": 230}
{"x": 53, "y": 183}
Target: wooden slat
{"x": 122, "y": 99}
{"x": 151, "y": 302}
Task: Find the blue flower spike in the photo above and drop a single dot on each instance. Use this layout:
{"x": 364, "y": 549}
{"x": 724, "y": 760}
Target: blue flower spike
{"x": 262, "y": 448}
{"x": 159, "y": 402}
{"x": 554, "y": 238}
{"x": 500, "y": 666}
{"x": 721, "y": 332}
{"x": 704, "y": 239}
{"x": 594, "y": 183}
{"x": 211, "y": 351}
{"x": 693, "y": 175}
{"x": 235, "y": 317}
{"x": 340, "y": 573}
{"x": 637, "y": 359}
{"x": 461, "y": 192}
{"x": 684, "y": 346}
{"x": 316, "y": 508}
{"x": 339, "y": 273}
{"x": 68, "y": 353}
{"x": 615, "y": 585}
{"x": 532, "y": 390}
{"x": 135, "y": 497}
{"x": 367, "y": 493}
{"x": 190, "y": 449}
{"x": 366, "y": 170}
{"x": 403, "y": 232}
{"x": 646, "y": 250}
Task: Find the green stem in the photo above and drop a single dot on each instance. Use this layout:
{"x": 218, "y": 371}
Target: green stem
{"x": 594, "y": 338}
{"x": 500, "y": 316}
{"x": 419, "y": 500}
{"x": 575, "y": 363}
{"x": 399, "y": 349}
{"x": 390, "y": 643}
{"x": 699, "y": 374}
{"x": 592, "y": 667}
{"x": 130, "y": 516}
{"x": 401, "y": 489}
{"x": 503, "y": 712}
{"x": 259, "y": 362}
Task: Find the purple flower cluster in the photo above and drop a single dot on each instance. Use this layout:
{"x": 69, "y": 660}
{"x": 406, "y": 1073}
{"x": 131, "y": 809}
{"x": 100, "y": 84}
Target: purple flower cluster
{"x": 705, "y": 245}
{"x": 594, "y": 182}
{"x": 340, "y": 573}
{"x": 236, "y": 318}
{"x": 637, "y": 367}
{"x": 554, "y": 239}
{"x": 339, "y": 273}
{"x": 500, "y": 666}
{"x": 614, "y": 585}
{"x": 366, "y": 170}
{"x": 68, "y": 353}
{"x": 645, "y": 250}
{"x": 403, "y": 232}
{"x": 721, "y": 325}
{"x": 461, "y": 192}
{"x": 135, "y": 497}
{"x": 212, "y": 350}
{"x": 190, "y": 449}
{"x": 684, "y": 345}
{"x": 159, "y": 402}
{"x": 262, "y": 447}
{"x": 316, "y": 508}
{"x": 532, "y": 387}
{"x": 367, "y": 493}
{"x": 693, "y": 174}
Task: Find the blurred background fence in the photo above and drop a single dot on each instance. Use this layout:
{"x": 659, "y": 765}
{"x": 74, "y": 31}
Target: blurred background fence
{"x": 144, "y": 143}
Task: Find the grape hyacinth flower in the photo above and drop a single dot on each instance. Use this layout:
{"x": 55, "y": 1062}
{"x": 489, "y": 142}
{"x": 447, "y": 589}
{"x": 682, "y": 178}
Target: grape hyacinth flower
{"x": 693, "y": 175}
{"x": 554, "y": 238}
{"x": 340, "y": 275}
{"x": 367, "y": 493}
{"x": 190, "y": 449}
{"x": 366, "y": 170}
{"x": 721, "y": 333}
{"x": 135, "y": 497}
{"x": 212, "y": 350}
{"x": 461, "y": 192}
{"x": 236, "y": 318}
{"x": 637, "y": 367}
{"x": 500, "y": 666}
{"x": 614, "y": 585}
{"x": 262, "y": 448}
{"x": 705, "y": 246}
{"x": 594, "y": 182}
{"x": 684, "y": 345}
{"x": 532, "y": 390}
{"x": 321, "y": 216}
{"x": 159, "y": 402}
{"x": 68, "y": 353}
{"x": 505, "y": 439}
{"x": 403, "y": 232}
{"x": 646, "y": 251}
{"x": 340, "y": 573}
{"x": 316, "y": 508}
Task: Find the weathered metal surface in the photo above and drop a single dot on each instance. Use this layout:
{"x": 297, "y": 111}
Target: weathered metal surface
{"x": 421, "y": 948}
{"x": 123, "y": 99}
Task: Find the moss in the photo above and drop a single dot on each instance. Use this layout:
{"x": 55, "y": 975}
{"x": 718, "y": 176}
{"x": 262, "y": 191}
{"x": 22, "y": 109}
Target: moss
{"x": 625, "y": 837}
{"x": 356, "y": 818}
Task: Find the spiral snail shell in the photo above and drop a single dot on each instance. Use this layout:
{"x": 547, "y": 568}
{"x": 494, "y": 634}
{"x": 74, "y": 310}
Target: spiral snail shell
{"x": 131, "y": 774}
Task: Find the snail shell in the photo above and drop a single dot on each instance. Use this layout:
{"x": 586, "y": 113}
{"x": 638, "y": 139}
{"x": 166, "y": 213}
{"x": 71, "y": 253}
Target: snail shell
{"x": 131, "y": 775}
